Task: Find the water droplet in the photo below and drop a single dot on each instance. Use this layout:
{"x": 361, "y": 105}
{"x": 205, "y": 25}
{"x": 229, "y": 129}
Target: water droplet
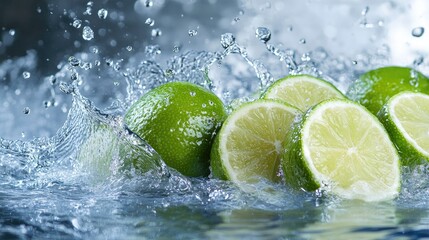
{"x": 97, "y": 63}
{"x": 23, "y": 134}
{"x": 152, "y": 50}
{"x": 418, "y": 31}
{"x": 150, "y": 22}
{"x": 87, "y": 33}
{"x": 86, "y": 66}
{"x": 12, "y": 32}
{"x": 365, "y": 11}
{"x": 354, "y": 62}
{"x": 129, "y": 48}
{"x": 290, "y": 28}
{"x": 176, "y": 48}
{"x": 26, "y": 75}
{"x": 39, "y": 10}
{"x": 227, "y": 40}
{"x": 94, "y": 49}
{"x": 109, "y": 62}
{"x": 73, "y": 61}
{"x": 192, "y": 32}
{"x": 263, "y": 34}
{"x": 148, "y": 3}
{"x": 302, "y": 41}
{"x": 74, "y": 76}
{"x": 102, "y": 13}
{"x": 52, "y": 79}
{"x": 90, "y": 4}
{"x": 156, "y": 32}
{"x": 418, "y": 61}
{"x": 26, "y": 110}
{"x": 236, "y": 19}
{"x": 241, "y": 12}
{"x": 192, "y": 94}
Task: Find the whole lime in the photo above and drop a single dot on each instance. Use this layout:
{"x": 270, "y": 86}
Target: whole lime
{"x": 179, "y": 120}
{"x": 374, "y": 88}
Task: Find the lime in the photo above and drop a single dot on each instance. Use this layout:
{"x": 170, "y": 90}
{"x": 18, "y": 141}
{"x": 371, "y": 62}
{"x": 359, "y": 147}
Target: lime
{"x": 341, "y": 147}
{"x": 406, "y": 118}
{"x": 302, "y": 91}
{"x": 105, "y": 153}
{"x": 250, "y": 142}
{"x": 375, "y": 87}
{"x": 179, "y": 120}
{"x": 98, "y": 152}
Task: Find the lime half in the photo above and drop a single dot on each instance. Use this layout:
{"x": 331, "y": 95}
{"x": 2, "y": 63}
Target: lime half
{"x": 406, "y": 117}
{"x": 249, "y": 145}
{"x": 343, "y": 148}
{"x": 302, "y": 91}
{"x": 374, "y": 88}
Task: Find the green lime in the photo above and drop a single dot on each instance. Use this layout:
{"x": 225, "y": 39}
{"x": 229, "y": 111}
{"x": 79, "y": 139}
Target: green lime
{"x": 375, "y": 87}
{"x": 302, "y": 91}
{"x": 179, "y": 120}
{"x": 340, "y": 146}
{"x": 406, "y": 118}
{"x": 250, "y": 142}
{"x": 105, "y": 153}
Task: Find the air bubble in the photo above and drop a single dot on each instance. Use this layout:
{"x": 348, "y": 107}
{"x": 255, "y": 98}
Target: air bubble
{"x": 129, "y": 48}
{"x": 12, "y": 32}
{"x": 263, "y": 34}
{"x": 102, "y": 13}
{"x": 87, "y": 33}
{"x": 26, "y": 75}
{"x": 176, "y": 49}
{"x": 148, "y": 3}
{"x": 302, "y": 41}
{"x": 192, "y": 94}
{"x": 418, "y": 31}
{"x": 227, "y": 40}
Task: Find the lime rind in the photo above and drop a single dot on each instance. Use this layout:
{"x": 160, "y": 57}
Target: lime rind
{"x": 302, "y": 91}
{"x": 301, "y": 172}
{"x": 221, "y": 157}
{"x": 410, "y": 151}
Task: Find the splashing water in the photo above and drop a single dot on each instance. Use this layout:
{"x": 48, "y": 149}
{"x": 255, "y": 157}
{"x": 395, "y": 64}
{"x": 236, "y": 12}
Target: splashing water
{"x": 76, "y": 115}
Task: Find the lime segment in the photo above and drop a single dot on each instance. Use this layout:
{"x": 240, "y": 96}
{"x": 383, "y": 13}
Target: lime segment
{"x": 250, "y": 142}
{"x": 302, "y": 91}
{"x": 406, "y": 116}
{"x": 340, "y": 146}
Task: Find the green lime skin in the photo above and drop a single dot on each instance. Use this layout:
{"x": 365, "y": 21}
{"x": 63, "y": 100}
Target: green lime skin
{"x": 179, "y": 120}
{"x": 374, "y": 88}
{"x": 296, "y": 171}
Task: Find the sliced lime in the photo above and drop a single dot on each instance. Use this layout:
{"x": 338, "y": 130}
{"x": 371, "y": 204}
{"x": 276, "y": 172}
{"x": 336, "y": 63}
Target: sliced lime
{"x": 302, "y": 91}
{"x": 250, "y": 142}
{"x": 342, "y": 147}
{"x": 406, "y": 117}
{"x": 374, "y": 88}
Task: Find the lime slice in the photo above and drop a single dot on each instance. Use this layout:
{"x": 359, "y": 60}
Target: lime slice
{"x": 250, "y": 142}
{"x": 343, "y": 148}
{"x": 406, "y": 117}
{"x": 302, "y": 91}
{"x": 374, "y": 88}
